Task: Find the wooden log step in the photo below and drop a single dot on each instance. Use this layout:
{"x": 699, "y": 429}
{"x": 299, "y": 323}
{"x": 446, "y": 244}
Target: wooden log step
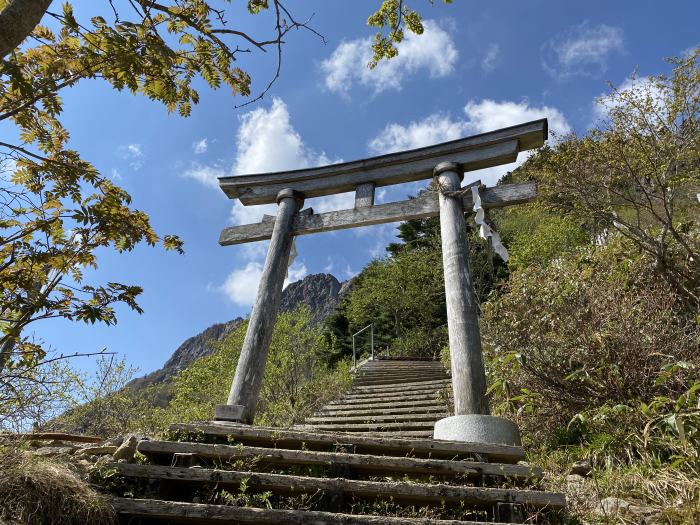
{"x": 176, "y": 511}
{"x": 407, "y": 400}
{"x": 401, "y": 366}
{"x": 438, "y": 383}
{"x": 384, "y": 379}
{"x": 372, "y": 403}
{"x": 374, "y": 427}
{"x": 406, "y": 377}
{"x": 360, "y": 462}
{"x": 401, "y": 369}
{"x": 382, "y": 411}
{"x": 424, "y": 493}
{"x": 396, "y": 418}
{"x": 390, "y": 391}
{"x": 393, "y": 381}
{"x": 410, "y": 434}
{"x": 395, "y": 446}
{"x": 406, "y": 396}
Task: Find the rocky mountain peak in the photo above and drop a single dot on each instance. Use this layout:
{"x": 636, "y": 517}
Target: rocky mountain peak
{"x": 320, "y": 292}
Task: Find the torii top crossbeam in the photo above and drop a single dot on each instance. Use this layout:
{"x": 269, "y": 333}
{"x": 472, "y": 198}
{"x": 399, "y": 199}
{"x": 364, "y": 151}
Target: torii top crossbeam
{"x": 363, "y": 176}
{"x": 446, "y": 163}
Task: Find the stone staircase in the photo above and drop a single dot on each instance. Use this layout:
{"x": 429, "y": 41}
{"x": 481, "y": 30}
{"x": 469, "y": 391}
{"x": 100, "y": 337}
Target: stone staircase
{"x": 390, "y": 397}
{"x": 366, "y": 459}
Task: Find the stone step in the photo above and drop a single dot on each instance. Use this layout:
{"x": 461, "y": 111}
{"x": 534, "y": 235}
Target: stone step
{"x": 396, "y": 418}
{"x": 382, "y": 411}
{"x": 413, "y": 493}
{"x": 357, "y": 462}
{"x": 198, "y": 512}
{"x": 366, "y": 444}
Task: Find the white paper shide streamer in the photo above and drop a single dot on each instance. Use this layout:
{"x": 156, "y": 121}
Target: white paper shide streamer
{"x": 485, "y": 231}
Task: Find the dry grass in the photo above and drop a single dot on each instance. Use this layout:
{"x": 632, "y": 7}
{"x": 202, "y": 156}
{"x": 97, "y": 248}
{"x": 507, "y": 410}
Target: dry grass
{"x": 671, "y": 495}
{"x": 39, "y": 491}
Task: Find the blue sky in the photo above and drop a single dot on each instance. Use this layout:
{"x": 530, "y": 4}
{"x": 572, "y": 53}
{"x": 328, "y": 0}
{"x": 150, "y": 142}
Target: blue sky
{"x": 480, "y": 65}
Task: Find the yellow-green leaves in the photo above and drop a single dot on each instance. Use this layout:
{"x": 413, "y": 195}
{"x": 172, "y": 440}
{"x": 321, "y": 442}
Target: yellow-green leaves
{"x": 393, "y": 16}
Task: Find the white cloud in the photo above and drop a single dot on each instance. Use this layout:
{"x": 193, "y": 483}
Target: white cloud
{"x": 491, "y": 58}
{"x": 134, "y": 154}
{"x": 434, "y": 51}
{"x": 115, "y": 175}
{"x": 582, "y": 50}
{"x": 638, "y": 87}
{"x": 328, "y": 268}
{"x": 267, "y": 141}
{"x": 200, "y": 146}
{"x": 348, "y": 272}
{"x": 241, "y": 285}
{"x": 481, "y": 116}
{"x": 488, "y": 115}
{"x": 206, "y": 175}
{"x": 434, "y": 129}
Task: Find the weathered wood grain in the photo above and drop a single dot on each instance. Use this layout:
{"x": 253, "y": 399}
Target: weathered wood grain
{"x": 250, "y": 370}
{"x": 364, "y": 195}
{"x": 476, "y": 152}
{"x": 360, "y": 462}
{"x": 283, "y": 483}
{"x": 196, "y": 512}
{"x": 364, "y": 444}
{"x": 426, "y": 205}
{"x": 468, "y": 374}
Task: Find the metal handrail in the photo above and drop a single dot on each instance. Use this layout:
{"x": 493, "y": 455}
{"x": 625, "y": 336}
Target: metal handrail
{"x": 354, "y": 352}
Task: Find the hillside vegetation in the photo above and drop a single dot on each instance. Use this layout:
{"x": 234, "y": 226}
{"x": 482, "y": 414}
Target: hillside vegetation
{"x": 591, "y": 330}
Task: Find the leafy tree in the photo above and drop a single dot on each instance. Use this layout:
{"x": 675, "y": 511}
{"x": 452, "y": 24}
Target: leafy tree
{"x": 638, "y": 173}
{"x": 404, "y": 294}
{"x": 56, "y": 209}
{"x": 296, "y": 381}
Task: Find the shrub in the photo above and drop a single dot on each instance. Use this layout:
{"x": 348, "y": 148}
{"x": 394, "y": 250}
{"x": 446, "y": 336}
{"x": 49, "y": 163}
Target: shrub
{"x": 594, "y": 345}
{"x": 296, "y": 381}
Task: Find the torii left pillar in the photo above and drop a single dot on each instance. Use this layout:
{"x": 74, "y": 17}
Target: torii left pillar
{"x": 248, "y": 379}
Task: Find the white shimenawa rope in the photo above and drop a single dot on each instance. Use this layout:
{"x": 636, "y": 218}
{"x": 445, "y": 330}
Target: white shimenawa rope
{"x": 485, "y": 231}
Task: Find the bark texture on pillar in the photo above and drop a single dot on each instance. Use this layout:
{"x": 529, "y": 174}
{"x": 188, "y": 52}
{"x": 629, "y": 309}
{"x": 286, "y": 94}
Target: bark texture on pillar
{"x": 468, "y": 374}
{"x": 248, "y": 379}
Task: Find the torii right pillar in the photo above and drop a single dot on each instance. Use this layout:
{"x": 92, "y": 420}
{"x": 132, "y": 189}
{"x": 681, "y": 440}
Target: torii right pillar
{"x": 471, "y": 422}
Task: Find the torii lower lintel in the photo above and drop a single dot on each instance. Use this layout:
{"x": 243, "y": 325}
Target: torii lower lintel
{"x": 471, "y": 421}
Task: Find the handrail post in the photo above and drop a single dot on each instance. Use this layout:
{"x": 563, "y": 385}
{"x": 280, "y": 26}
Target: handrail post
{"x": 354, "y": 355}
{"x": 371, "y": 334}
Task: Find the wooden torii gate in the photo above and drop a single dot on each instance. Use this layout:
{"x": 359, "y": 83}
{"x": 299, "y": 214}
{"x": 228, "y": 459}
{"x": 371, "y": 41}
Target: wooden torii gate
{"x": 446, "y": 163}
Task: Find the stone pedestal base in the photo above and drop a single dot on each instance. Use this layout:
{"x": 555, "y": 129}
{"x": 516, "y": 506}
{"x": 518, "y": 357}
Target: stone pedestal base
{"x": 229, "y": 413}
{"x": 477, "y": 428}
